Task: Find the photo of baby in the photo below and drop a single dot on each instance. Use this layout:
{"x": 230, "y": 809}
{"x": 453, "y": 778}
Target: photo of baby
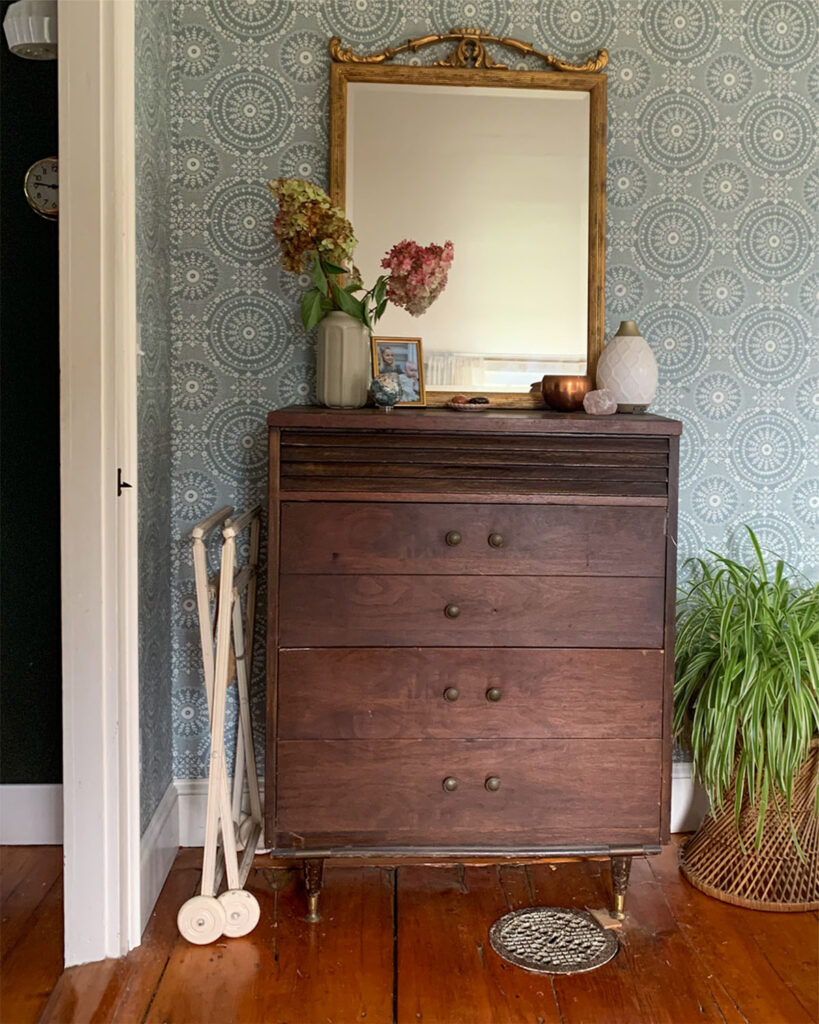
{"x": 403, "y": 358}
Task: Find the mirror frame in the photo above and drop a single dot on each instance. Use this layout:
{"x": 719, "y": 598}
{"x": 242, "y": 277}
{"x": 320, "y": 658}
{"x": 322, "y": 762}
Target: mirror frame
{"x": 470, "y": 64}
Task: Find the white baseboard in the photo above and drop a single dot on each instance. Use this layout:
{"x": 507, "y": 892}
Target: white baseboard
{"x": 31, "y": 815}
{"x": 158, "y": 848}
{"x": 193, "y": 806}
{"x": 689, "y": 803}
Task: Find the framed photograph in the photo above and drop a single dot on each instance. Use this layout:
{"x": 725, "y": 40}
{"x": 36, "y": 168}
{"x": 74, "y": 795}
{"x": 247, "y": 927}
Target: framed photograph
{"x": 404, "y": 358}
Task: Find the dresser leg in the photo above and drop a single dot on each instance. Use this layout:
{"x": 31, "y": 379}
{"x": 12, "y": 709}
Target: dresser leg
{"x": 313, "y": 877}
{"x": 620, "y": 870}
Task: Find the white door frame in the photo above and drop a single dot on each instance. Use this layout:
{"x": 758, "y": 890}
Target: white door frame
{"x": 98, "y": 343}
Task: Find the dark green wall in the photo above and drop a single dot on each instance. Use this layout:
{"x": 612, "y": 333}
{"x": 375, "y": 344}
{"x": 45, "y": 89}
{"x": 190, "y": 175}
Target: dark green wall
{"x": 30, "y": 656}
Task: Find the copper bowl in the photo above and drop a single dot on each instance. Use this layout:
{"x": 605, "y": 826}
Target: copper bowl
{"x": 565, "y": 393}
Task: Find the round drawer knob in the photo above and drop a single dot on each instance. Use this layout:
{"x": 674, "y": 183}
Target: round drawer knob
{"x": 453, "y": 538}
{"x": 493, "y": 694}
{"x": 496, "y": 540}
{"x": 492, "y": 784}
{"x": 450, "y": 784}
{"x": 451, "y": 693}
{"x": 452, "y": 611}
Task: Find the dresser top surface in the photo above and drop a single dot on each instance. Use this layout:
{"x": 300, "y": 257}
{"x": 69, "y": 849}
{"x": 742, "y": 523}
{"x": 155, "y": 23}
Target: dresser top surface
{"x": 495, "y": 421}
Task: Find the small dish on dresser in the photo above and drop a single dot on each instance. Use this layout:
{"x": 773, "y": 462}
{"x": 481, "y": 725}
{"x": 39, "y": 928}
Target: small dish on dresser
{"x": 462, "y": 404}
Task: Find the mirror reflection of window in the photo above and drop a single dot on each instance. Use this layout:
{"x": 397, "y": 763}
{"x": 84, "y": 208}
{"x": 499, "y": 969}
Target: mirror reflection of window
{"x": 504, "y": 174}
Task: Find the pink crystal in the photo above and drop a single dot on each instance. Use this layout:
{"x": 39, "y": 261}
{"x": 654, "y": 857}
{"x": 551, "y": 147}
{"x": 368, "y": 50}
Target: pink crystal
{"x": 600, "y": 403}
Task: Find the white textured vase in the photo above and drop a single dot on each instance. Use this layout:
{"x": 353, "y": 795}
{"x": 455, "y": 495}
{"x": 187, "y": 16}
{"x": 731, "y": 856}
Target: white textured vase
{"x": 627, "y": 368}
{"x": 342, "y": 362}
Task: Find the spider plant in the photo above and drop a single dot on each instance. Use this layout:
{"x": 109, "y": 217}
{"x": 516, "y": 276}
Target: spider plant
{"x": 747, "y": 688}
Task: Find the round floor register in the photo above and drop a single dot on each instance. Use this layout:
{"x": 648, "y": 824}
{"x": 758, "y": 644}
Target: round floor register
{"x": 551, "y": 940}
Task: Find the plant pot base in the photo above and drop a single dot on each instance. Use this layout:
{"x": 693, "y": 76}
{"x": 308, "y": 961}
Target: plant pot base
{"x": 773, "y": 878}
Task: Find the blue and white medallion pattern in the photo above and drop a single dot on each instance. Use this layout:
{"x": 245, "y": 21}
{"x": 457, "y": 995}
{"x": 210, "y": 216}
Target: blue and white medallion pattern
{"x": 713, "y": 194}
{"x": 369, "y": 24}
{"x": 576, "y": 27}
{"x": 728, "y": 78}
{"x": 194, "y": 386}
{"x": 304, "y": 58}
{"x": 767, "y": 449}
{"x": 673, "y": 238}
{"x": 772, "y": 345}
{"x": 624, "y": 289}
{"x": 250, "y": 110}
{"x": 725, "y": 185}
{"x": 775, "y": 241}
{"x": 239, "y": 222}
{"x": 677, "y": 335}
{"x": 806, "y": 502}
{"x": 626, "y": 182}
{"x": 721, "y": 292}
{"x": 246, "y": 19}
{"x": 782, "y": 33}
{"x": 677, "y": 130}
{"x": 718, "y": 396}
{"x": 680, "y": 30}
{"x": 714, "y": 500}
{"x": 628, "y": 74}
{"x": 492, "y": 15}
{"x": 196, "y": 51}
{"x": 778, "y": 134}
{"x": 246, "y": 333}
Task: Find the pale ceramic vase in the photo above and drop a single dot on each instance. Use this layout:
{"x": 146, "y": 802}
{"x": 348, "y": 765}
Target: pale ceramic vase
{"x": 627, "y": 368}
{"x": 342, "y": 362}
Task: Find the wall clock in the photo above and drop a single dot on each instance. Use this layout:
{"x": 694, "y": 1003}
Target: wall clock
{"x": 42, "y": 187}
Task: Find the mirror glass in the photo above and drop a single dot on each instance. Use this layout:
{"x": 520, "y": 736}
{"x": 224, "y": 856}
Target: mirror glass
{"x": 504, "y": 174}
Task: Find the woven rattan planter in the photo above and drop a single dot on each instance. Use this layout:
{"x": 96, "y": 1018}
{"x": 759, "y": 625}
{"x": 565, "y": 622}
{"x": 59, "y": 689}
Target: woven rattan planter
{"x": 773, "y": 877}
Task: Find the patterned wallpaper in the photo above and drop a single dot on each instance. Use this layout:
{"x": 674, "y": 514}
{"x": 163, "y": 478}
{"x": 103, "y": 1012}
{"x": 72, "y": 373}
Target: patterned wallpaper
{"x": 153, "y": 161}
{"x": 713, "y": 197}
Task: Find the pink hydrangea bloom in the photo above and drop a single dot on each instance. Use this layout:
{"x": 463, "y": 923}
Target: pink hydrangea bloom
{"x": 418, "y": 275}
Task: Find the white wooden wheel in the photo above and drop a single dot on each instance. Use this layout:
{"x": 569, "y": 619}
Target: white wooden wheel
{"x": 201, "y": 920}
{"x": 241, "y": 912}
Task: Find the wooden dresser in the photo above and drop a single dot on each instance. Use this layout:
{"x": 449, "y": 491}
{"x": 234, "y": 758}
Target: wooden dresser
{"x": 470, "y": 635}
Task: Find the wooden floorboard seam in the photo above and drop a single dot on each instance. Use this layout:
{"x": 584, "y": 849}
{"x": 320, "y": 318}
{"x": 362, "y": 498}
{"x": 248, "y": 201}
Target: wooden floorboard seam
{"x": 811, "y": 1010}
{"x": 556, "y": 999}
{"x": 156, "y": 986}
{"x": 28, "y": 876}
{"x": 710, "y": 978}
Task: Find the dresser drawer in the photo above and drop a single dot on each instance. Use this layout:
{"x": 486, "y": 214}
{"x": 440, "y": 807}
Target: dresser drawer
{"x": 470, "y": 611}
{"x": 416, "y": 693}
{"x": 397, "y": 537}
{"x": 552, "y": 793}
{"x": 398, "y": 460}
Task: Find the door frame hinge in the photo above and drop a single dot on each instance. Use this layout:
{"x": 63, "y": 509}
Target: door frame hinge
{"x": 121, "y": 484}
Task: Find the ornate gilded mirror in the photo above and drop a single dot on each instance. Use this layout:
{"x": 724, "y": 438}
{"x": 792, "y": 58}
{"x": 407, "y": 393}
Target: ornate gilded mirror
{"x": 510, "y": 165}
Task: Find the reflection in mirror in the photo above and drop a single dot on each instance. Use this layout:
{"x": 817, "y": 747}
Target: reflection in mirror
{"x": 503, "y": 173}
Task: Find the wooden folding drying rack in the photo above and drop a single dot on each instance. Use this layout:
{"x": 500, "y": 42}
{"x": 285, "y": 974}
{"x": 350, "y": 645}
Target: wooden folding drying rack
{"x": 204, "y": 918}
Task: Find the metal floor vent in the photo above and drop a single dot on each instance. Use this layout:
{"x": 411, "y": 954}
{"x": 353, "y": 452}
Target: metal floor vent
{"x": 552, "y": 940}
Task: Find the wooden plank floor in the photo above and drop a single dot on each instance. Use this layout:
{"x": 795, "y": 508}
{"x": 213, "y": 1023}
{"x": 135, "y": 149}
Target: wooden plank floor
{"x": 407, "y": 946}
